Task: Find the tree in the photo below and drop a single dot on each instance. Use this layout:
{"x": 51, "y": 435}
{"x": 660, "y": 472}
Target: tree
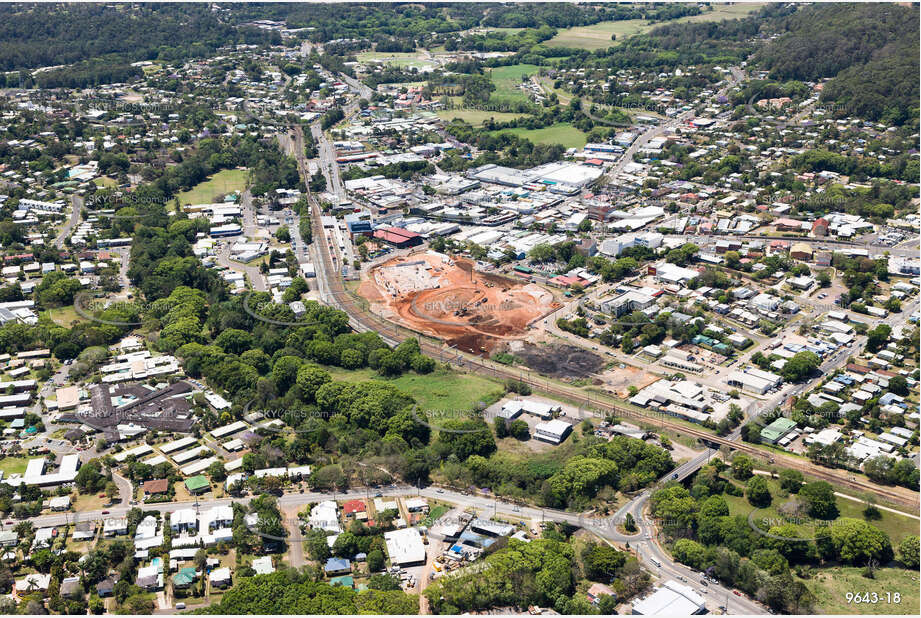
{"x": 602, "y": 561}
{"x": 629, "y": 523}
{"x": 111, "y": 491}
{"x": 318, "y": 547}
{"x": 878, "y": 337}
{"x": 384, "y": 581}
{"x": 757, "y": 492}
{"x": 310, "y": 378}
{"x": 690, "y": 553}
{"x": 898, "y": 385}
{"x": 856, "y": 541}
{"x": 909, "y": 551}
{"x": 607, "y": 604}
{"x": 819, "y": 498}
{"x": 376, "y": 561}
{"x": 791, "y": 480}
{"x": 217, "y": 472}
{"x": 501, "y": 427}
{"x": 742, "y": 467}
{"x": 519, "y": 429}
{"x": 800, "y": 366}
{"x": 234, "y": 341}
{"x": 90, "y": 478}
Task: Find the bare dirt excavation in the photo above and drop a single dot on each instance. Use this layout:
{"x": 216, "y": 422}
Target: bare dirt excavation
{"x": 448, "y": 298}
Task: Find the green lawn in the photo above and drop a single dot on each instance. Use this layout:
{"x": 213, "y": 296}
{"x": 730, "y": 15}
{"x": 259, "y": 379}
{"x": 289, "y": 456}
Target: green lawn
{"x": 830, "y": 587}
{"x": 105, "y": 181}
{"x": 561, "y": 133}
{"x": 65, "y": 316}
{"x": 13, "y": 465}
{"x": 440, "y": 390}
{"x": 477, "y": 117}
{"x": 598, "y": 36}
{"x": 222, "y": 183}
{"x": 507, "y": 80}
{"x": 400, "y": 59}
{"x": 896, "y": 526}
{"x": 435, "y": 514}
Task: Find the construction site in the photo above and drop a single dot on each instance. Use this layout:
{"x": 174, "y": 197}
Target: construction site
{"x": 448, "y": 298}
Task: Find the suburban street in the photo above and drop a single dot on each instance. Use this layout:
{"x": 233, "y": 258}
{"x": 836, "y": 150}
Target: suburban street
{"x": 76, "y": 215}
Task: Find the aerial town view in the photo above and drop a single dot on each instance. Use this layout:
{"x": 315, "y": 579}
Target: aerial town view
{"x": 460, "y": 308}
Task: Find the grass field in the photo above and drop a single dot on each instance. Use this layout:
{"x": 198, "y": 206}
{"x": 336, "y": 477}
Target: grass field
{"x": 562, "y": 133}
{"x": 89, "y": 502}
{"x": 222, "y": 183}
{"x": 476, "y": 117}
{"x": 598, "y": 36}
{"x": 507, "y": 80}
{"x": 440, "y": 390}
{"x": 400, "y": 59}
{"x": 830, "y": 587}
{"x": 896, "y": 526}
{"x": 13, "y": 465}
{"x": 105, "y": 181}
{"x": 64, "y": 316}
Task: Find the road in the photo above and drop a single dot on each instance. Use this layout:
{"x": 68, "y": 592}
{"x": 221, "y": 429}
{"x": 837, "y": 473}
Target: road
{"x": 296, "y": 545}
{"x": 643, "y": 543}
{"x": 76, "y": 216}
{"x": 223, "y": 255}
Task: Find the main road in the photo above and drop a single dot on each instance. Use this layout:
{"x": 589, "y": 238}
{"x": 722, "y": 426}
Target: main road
{"x": 643, "y": 543}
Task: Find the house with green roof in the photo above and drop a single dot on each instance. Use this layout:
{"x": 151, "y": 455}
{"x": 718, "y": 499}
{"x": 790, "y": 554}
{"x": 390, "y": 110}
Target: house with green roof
{"x": 774, "y": 433}
{"x": 197, "y": 484}
{"x": 185, "y": 577}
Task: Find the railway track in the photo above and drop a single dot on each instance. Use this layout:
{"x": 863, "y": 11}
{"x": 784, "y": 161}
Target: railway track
{"x": 363, "y": 320}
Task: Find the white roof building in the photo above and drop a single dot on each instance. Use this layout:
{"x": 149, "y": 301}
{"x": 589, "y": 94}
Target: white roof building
{"x": 263, "y": 565}
{"x": 405, "y": 546}
{"x": 554, "y": 431}
{"x": 671, "y": 599}
{"x": 325, "y": 516}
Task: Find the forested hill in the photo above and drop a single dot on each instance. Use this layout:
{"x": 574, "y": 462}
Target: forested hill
{"x": 33, "y": 35}
{"x": 871, "y": 51}
{"x": 822, "y": 40}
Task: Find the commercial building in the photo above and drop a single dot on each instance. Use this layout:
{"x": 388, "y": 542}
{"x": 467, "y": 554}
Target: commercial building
{"x": 775, "y": 432}
{"x": 754, "y": 380}
{"x": 554, "y": 431}
{"x": 511, "y": 409}
{"x": 398, "y": 237}
{"x": 405, "y": 547}
{"x": 670, "y": 599}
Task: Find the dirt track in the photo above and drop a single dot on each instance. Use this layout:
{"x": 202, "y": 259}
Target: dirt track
{"x": 449, "y": 299}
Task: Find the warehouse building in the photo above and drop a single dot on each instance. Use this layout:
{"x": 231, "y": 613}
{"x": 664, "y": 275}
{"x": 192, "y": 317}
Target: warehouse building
{"x": 671, "y": 599}
{"x": 554, "y": 431}
{"x": 405, "y": 547}
{"x": 754, "y": 380}
{"x": 398, "y": 237}
{"x": 775, "y": 432}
